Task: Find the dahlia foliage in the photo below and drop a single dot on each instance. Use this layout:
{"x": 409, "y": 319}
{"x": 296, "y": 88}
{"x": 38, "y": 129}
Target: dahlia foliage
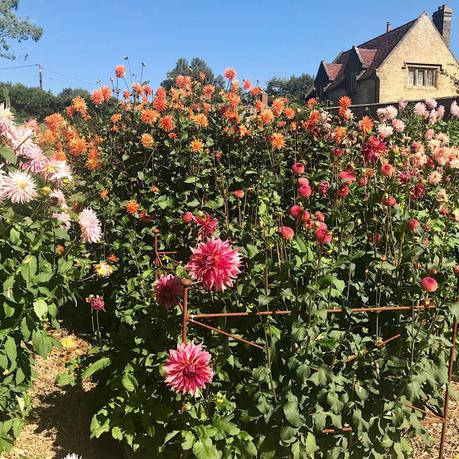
{"x": 266, "y": 208}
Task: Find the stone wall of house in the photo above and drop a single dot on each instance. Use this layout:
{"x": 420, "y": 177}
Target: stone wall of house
{"x": 422, "y": 44}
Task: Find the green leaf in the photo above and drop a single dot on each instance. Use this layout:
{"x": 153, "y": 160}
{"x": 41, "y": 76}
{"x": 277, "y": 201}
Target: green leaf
{"x": 96, "y": 366}
{"x": 189, "y": 439}
{"x": 252, "y": 250}
{"x": 291, "y": 411}
{"x": 117, "y": 434}
{"x": 226, "y": 426}
{"x": 41, "y": 343}
{"x": 311, "y": 445}
{"x": 454, "y": 308}
{"x": 8, "y": 154}
{"x": 29, "y": 268}
{"x": 40, "y": 307}
{"x": 64, "y": 379}
{"x": 191, "y": 180}
{"x": 205, "y": 449}
{"x": 11, "y": 349}
{"x": 129, "y": 382}
{"x": 15, "y": 237}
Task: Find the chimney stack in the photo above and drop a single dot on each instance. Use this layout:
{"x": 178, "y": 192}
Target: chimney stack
{"x": 442, "y": 20}
{"x": 387, "y": 26}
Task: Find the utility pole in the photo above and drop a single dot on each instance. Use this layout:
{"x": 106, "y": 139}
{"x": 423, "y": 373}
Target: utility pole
{"x": 40, "y": 76}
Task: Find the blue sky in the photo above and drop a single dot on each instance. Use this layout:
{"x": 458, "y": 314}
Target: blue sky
{"x": 85, "y": 39}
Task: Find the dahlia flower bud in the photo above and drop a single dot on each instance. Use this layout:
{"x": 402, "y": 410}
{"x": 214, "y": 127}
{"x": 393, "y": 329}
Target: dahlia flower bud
{"x": 413, "y": 224}
{"x": 298, "y": 168}
{"x": 296, "y": 211}
{"x": 305, "y": 191}
{"x": 429, "y": 284}
{"x": 187, "y": 217}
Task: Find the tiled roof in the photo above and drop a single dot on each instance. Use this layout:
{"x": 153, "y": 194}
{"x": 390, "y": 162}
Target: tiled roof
{"x": 332, "y": 70}
{"x": 371, "y": 54}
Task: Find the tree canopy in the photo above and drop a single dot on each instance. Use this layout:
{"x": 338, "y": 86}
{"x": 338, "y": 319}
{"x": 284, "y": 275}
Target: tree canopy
{"x": 194, "y": 70}
{"x": 36, "y": 103}
{"x": 15, "y": 28}
{"x": 294, "y": 88}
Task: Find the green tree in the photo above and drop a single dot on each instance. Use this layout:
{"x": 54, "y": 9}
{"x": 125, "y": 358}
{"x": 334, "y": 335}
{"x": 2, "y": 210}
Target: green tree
{"x": 294, "y": 88}
{"x": 15, "y": 28}
{"x": 36, "y": 103}
{"x": 193, "y": 69}
{"x": 67, "y": 94}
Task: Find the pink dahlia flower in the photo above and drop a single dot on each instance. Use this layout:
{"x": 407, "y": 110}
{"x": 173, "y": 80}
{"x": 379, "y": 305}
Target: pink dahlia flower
{"x": 323, "y": 236}
{"x": 208, "y": 226}
{"x": 187, "y": 369}
{"x": 286, "y": 233}
{"x": 97, "y": 303}
{"x": 168, "y": 289}
{"x": 19, "y": 187}
{"x": 63, "y": 218}
{"x": 91, "y": 229}
{"x": 6, "y": 119}
{"x": 215, "y": 264}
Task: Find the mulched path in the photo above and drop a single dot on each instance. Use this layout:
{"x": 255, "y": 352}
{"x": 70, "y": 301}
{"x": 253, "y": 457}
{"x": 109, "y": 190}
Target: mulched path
{"x": 59, "y": 420}
{"x": 58, "y": 423}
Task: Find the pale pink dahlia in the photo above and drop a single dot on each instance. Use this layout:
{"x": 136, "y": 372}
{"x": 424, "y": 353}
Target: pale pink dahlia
{"x": 187, "y": 369}
{"x": 215, "y": 264}
{"x": 63, "y": 218}
{"x": 91, "y": 229}
{"x": 168, "y": 289}
{"x": 19, "y": 187}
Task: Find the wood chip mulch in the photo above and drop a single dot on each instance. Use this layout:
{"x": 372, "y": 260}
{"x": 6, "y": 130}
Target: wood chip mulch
{"x": 59, "y": 420}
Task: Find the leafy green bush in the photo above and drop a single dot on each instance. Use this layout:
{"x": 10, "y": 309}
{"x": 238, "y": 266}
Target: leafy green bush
{"x": 40, "y": 264}
{"x": 327, "y": 213}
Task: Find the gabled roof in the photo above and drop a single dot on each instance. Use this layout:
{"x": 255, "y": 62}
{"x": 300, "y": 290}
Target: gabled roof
{"x": 371, "y": 55}
{"x": 332, "y": 70}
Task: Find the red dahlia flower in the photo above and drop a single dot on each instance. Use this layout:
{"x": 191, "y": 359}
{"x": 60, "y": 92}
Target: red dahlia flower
{"x": 168, "y": 290}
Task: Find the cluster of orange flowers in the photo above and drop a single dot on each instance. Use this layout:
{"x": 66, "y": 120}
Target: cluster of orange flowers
{"x": 197, "y": 102}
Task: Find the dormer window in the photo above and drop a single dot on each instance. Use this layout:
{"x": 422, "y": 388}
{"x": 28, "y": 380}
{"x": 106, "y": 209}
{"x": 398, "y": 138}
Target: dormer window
{"x": 422, "y": 76}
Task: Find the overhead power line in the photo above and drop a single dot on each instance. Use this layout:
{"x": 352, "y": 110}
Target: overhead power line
{"x": 41, "y": 69}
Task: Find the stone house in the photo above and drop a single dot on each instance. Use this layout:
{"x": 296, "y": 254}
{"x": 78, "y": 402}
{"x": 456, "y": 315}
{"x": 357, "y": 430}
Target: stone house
{"x": 413, "y": 61}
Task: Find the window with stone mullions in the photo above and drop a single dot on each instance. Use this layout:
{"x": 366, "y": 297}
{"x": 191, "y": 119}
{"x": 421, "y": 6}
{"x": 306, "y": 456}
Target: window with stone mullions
{"x": 419, "y": 76}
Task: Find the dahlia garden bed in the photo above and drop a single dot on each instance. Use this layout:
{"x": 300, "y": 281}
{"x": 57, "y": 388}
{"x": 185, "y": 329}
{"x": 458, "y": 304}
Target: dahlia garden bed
{"x": 261, "y": 281}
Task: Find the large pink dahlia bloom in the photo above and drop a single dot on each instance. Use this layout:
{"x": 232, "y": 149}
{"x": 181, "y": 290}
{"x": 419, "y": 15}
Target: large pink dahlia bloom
{"x": 188, "y": 369}
{"x": 168, "y": 289}
{"x": 91, "y": 228}
{"x": 215, "y": 264}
